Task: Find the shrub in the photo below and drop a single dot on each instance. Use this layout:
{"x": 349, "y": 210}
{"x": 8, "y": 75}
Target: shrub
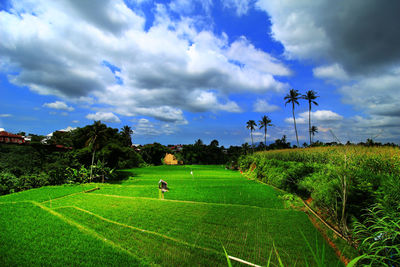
{"x": 8, "y": 183}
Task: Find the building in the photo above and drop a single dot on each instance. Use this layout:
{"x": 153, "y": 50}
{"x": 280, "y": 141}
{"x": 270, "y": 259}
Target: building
{"x": 170, "y": 159}
{"x": 175, "y": 148}
{"x": 9, "y": 138}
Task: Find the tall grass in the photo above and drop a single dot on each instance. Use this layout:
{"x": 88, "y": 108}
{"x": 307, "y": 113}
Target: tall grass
{"x": 378, "y": 237}
{"x": 342, "y": 182}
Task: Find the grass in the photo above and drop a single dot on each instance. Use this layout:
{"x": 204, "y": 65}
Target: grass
{"x": 31, "y": 236}
{"x": 46, "y": 193}
{"x": 198, "y": 214}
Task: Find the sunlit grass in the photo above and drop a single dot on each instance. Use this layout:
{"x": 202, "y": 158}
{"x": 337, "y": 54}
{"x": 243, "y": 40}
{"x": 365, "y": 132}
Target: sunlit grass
{"x": 46, "y": 193}
{"x": 199, "y": 213}
{"x": 30, "y": 236}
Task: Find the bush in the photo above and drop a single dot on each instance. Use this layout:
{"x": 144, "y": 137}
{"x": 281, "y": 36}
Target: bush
{"x": 8, "y": 183}
{"x": 33, "y": 181}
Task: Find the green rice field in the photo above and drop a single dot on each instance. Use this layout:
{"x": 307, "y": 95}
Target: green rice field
{"x": 127, "y": 223}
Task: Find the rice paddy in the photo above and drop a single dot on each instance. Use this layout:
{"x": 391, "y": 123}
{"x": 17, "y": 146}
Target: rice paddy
{"x": 127, "y": 223}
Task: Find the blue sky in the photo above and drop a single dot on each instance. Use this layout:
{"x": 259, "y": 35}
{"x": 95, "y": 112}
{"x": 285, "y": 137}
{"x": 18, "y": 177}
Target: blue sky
{"x": 176, "y": 71}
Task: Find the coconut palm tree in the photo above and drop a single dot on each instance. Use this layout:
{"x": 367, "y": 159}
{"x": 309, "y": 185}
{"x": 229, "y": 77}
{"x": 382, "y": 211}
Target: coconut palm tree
{"x": 251, "y": 125}
{"x": 313, "y": 131}
{"x": 293, "y": 98}
{"x": 126, "y": 133}
{"x": 95, "y": 137}
{"x": 310, "y": 96}
{"x": 264, "y": 123}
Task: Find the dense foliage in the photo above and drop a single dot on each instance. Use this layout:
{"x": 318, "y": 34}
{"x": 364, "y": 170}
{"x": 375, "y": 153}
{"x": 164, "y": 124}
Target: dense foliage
{"x": 83, "y": 154}
{"x": 341, "y": 181}
{"x": 199, "y": 153}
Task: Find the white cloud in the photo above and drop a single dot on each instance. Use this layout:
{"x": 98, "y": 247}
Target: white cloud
{"x": 144, "y": 127}
{"x": 334, "y": 72}
{"x": 263, "y": 106}
{"x": 2, "y": 129}
{"x": 356, "y": 34}
{"x": 160, "y": 70}
{"x": 354, "y": 45}
{"x": 103, "y": 116}
{"x": 293, "y": 25}
{"x": 244, "y": 52}
{"x": 322, "y": 115}
{"x": 377, "y": 94}
{"x": 68, "y": 129}
{"x": 5, "y": 115}
{"x": 241, "y": 6}
{"x": 58, "y": 105}
{"x": 319, "y": 116}
{"x": 299, "y": 120}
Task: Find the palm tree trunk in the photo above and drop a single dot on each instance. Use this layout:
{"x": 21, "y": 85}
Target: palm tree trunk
{"x": 252, "y": 144}
{"x": 309, "y": 122}
{"x": 265, "y": 137}
{"x": 295, "y": 128}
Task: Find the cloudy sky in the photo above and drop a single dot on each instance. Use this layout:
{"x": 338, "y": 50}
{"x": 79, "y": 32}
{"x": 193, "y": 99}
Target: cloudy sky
{"x": 180, "y": 70}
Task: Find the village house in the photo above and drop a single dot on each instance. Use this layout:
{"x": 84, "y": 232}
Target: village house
{"x": 6, "y": 137}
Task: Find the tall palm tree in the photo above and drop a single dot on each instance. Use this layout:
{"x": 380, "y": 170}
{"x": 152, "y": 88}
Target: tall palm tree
{"x": 251, "y": 125}
{"x": 126, "y": 133}
{"x": 313, "y": 131}
{"x": 310, "y": 96}
{"x": 293, "y": 98}
{"x": 95, "y": 137}
{"x": 264, "y": 123}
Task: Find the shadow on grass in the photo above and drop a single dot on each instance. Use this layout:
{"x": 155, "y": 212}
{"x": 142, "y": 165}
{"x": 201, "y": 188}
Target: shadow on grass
{"x": 121, "y": 176}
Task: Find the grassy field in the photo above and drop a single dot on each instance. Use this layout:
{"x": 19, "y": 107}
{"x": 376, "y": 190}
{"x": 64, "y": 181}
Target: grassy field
{"x": 127, "y": 223}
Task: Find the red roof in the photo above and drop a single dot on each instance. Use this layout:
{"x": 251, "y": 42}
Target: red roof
{"x": 7, "y": 134}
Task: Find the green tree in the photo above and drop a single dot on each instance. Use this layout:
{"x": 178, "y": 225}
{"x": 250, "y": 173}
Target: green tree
{"x": 95, "y": 139}
{"x": 293, "y": 98}
{"x": 245, "y": 148}
{"x": 251, "y": 125}
{"x": 264, "y": 123}
{"x": 310, "y": 96}
{"x": 126, "y": 133}
{"x": 313, "y": 131}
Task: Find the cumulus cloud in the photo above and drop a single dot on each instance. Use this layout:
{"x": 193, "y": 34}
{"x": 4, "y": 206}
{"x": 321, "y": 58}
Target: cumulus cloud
{"x": 360, "y": 35}
{"x": 171, "y": 67}
{"x": 322, "y": 116}
{"x": 145, "y": 127}
{"x": 356, "y": 43}
{"x": 263, "y": 106}
{"x": 330, "y": 72}
{"x": 318, "y": 116}
{"x": 378, "y": 95}
{"x": 103, "y": 116}
{"x": 58, "y": 105}
{"x": 299, "y": 120}
{"x": 68, "y": 129}
{"x": 245, "y": 53}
